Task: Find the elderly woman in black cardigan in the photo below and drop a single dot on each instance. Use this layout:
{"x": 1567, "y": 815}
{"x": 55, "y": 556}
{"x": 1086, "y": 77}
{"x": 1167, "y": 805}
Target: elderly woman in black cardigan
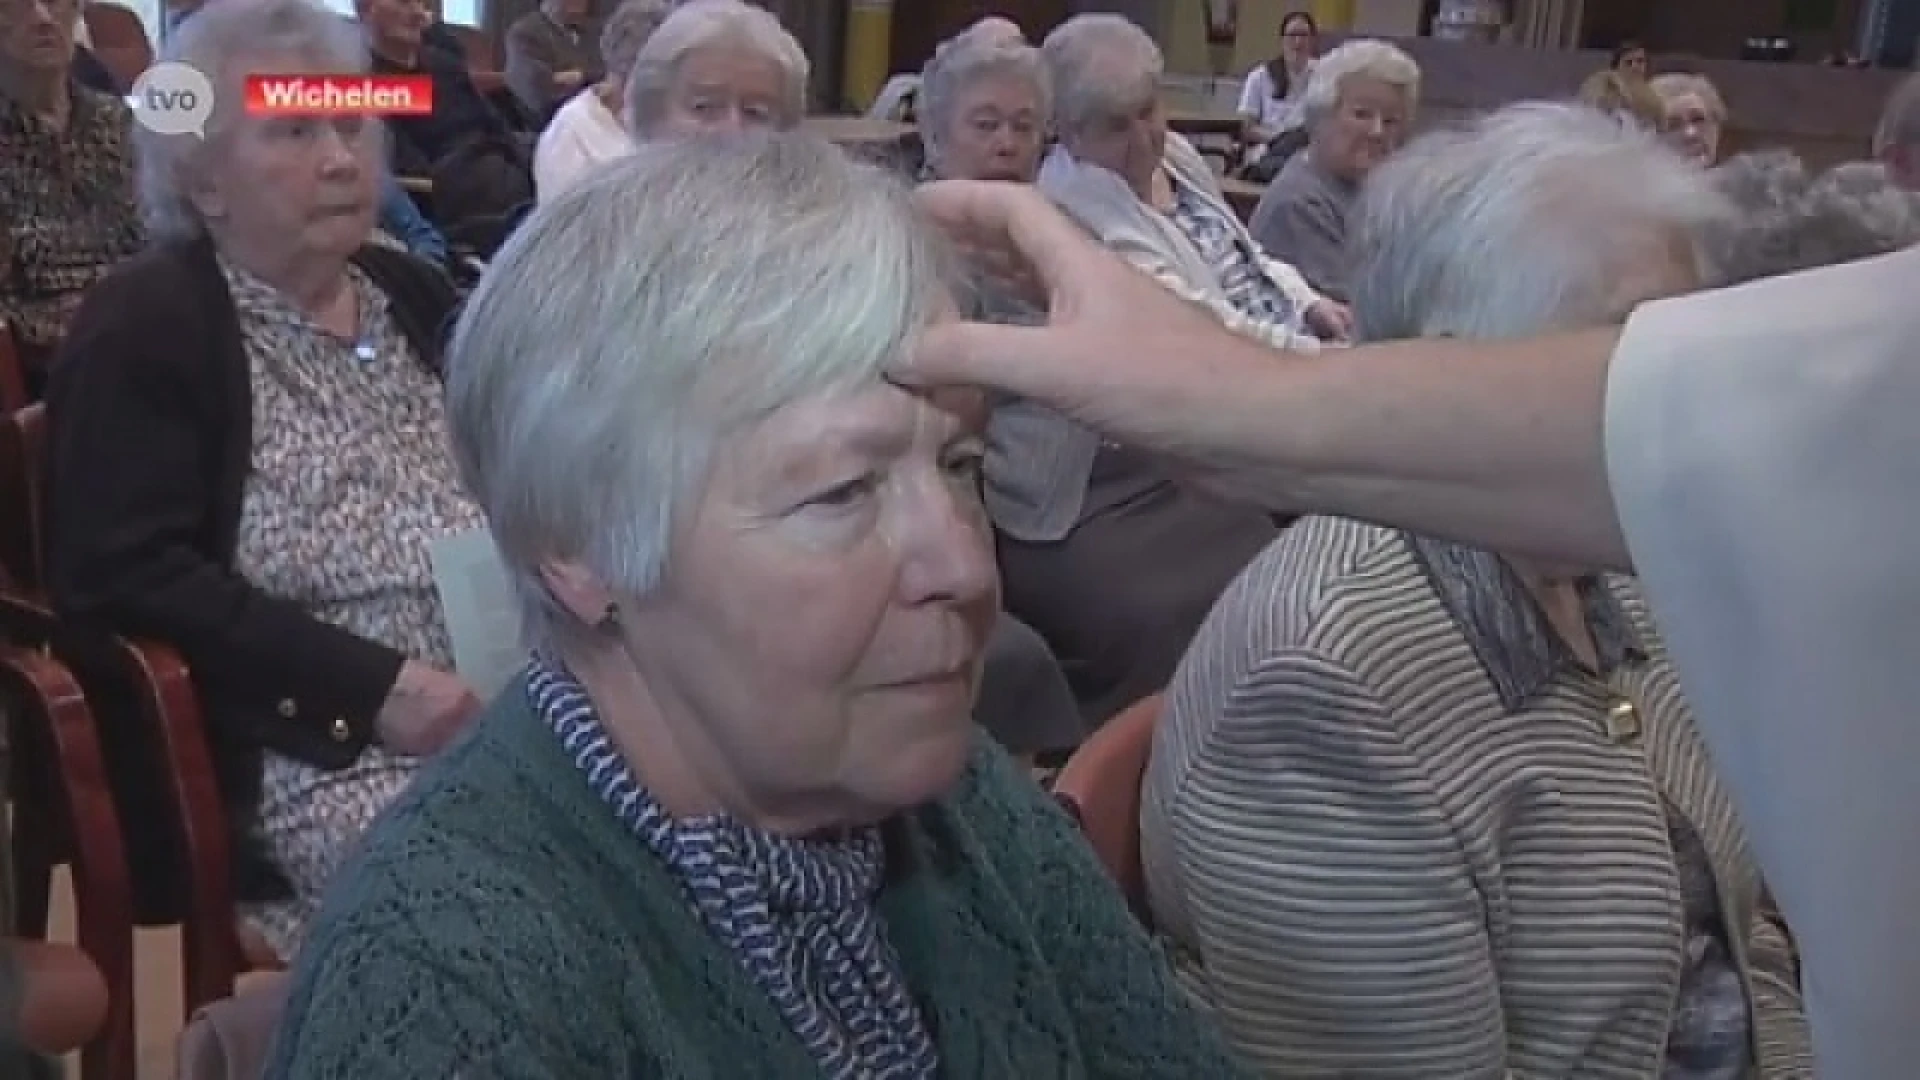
{"x": 247, "y": 459}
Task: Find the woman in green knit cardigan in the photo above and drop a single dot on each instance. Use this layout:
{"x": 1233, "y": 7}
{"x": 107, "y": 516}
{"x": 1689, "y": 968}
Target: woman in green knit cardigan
{"x": 735, "y": 819}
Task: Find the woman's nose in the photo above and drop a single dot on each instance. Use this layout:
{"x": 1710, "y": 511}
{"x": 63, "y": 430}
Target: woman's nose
{"x": 945, "y": 552}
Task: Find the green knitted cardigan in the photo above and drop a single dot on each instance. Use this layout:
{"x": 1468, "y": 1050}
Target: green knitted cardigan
{"x": 501, "y": 924}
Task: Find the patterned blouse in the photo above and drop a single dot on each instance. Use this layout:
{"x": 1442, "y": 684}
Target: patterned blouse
{"x": 1252, "y": 293}
{"x": 67, "y": 213}
{"x": 798, "y": 914}
{"x": 351, "y": 483}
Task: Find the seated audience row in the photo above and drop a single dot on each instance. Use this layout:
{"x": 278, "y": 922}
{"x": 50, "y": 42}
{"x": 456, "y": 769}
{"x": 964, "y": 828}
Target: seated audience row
{"x": 282, "y": 378}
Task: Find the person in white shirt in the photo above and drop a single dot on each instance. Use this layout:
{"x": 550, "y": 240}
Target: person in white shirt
{"x": 1270, "y": 98}
{"x": 588, "y": 130}
{"x": 1749, "y": 452}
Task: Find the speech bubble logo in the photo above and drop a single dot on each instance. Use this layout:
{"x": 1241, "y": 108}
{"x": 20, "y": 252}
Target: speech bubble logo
{"x": 173, "y": 99}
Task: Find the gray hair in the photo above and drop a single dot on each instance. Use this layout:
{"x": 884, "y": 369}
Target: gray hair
{"x": 702, "y": 24}
{"x": 1852, "y": 211}
{"x": 1099, "y": 64}
{"x": 1762, "y": 180}
{"x": 1517, "y": 224}
{"x": 969, "y": 59}
{"x": 627, "y": 29}
{"x": 226, "y": 41}
{"x": 633, "y": 323}
{"x": 1900, "y": 118}
{"x": 1358, "y": 59}
{"x": 1679, "y": 84}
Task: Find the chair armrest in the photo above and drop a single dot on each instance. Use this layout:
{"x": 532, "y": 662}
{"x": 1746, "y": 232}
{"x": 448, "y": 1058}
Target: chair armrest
{"x": 170, "y": 706}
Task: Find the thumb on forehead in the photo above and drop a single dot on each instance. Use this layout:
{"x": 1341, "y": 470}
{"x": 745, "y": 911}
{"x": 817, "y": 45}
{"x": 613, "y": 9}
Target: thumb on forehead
{"x": 987, "y": 356}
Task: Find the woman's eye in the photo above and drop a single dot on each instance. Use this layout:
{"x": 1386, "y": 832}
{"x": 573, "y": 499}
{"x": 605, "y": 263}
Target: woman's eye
{"x": 847, "y": 494}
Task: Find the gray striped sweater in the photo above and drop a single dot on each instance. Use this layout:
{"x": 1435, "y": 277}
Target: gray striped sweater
{"x": 1383, "y": 847}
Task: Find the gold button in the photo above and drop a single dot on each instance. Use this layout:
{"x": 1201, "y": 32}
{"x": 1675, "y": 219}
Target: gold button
{"x": 288, "y": 710}
{"x": 1623, "y": 722}
{"x": 342, "y": 731}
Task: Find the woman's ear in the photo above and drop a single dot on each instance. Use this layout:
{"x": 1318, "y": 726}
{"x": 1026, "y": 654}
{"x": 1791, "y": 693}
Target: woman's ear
{"x": 579, "y": 590}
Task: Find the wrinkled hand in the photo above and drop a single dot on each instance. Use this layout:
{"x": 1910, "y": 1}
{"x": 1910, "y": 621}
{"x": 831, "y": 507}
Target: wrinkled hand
{"x": 424, "y": 711}
{"x": 1331, "y": 321}
{"x": 1119, "y": 352}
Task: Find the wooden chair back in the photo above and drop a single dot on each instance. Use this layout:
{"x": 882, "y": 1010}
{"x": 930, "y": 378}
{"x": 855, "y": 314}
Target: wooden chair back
{"x": 153, "y": 684}
{"x": 22, "y": 440}
{"x": 1100, "y": 787}
{"x": 64, "y": 812}
{"x": 119, "y": 39}
{"x": 13, "y": 372}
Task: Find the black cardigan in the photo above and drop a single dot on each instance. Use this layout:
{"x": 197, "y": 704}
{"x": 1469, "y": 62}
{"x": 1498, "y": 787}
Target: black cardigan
{"x": 150, "y": 434}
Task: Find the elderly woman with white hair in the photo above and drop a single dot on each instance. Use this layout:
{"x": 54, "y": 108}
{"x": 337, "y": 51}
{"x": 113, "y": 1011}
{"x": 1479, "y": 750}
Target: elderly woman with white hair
{"x": 984, "y": 104}
{"x": 735, "y": 819}
{"x": 1147, "y": 193}
{"x": 247, "y": 455}
{"x": 588, "y": 129}
{"x": 714, "y": 66}
{"x": 1418, "y": 809}
{"x": 1358, "y": 108}
{"x": 1693, "y": 115}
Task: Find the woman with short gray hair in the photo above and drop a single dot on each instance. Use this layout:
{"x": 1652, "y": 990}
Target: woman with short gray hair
{"x": 1409, "y": 796}
{"x": 588, "y": 130}
{"x": 717, "y": 65}
{"x": 1693, "y": 115}
{"x": 739, "y": 782}
{"x": 984, "y": 103}
{"x": 279, "y": 378}
{"x": 1855, "y": 210}
{"x": 1358, "y": 108}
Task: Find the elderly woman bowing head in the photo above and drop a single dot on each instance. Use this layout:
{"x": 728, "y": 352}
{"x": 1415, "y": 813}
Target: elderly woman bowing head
{"x": 717, "y": 65}
{"x": 1430, "y": 791}
{"x": 1148, "y": 194}
{"x": 248, "y": 457}
{"x": 740, "y": 784}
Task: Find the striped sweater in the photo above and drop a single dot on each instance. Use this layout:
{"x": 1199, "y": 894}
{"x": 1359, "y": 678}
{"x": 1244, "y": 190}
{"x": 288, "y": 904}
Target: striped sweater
{"x": 1381, "y": 848}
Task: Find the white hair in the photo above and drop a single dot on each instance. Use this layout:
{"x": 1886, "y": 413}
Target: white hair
{"x": 1099, "y": 65}
{"x": 226, "y": 41}
{"x": 704, "y": 24}
{"x": 1900, "y": 118}
{"x": 627, "y": 30}
{"x": 1367, "y": 59}
{"x": 1518, "y": 224}
{"x": 1852, "y": 211}
{"x": 1678, "y": 84}
{"x": 969, "y": 59}
{"x": 633, "y": 323}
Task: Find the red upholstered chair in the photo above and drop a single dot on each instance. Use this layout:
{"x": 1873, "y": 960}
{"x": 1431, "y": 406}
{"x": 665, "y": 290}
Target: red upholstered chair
{"x": 1100, "y": 787}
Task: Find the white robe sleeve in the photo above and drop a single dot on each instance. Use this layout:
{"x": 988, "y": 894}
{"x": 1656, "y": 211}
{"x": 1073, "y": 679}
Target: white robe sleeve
{"x": 1763, "y": 446}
